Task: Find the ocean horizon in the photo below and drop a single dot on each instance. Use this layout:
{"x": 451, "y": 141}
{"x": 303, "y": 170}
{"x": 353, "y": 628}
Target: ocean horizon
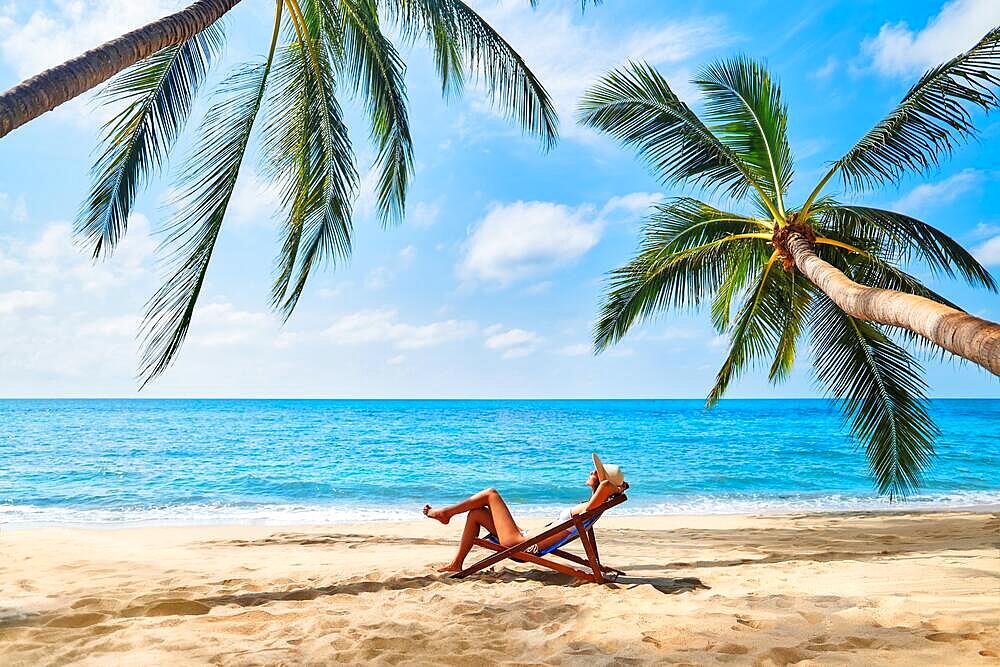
{"x": 126, "y": 462}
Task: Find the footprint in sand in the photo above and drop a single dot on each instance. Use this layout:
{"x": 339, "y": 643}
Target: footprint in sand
{"x": 731, "y": 649}
{"x": 748, "y": 623}
{"x": 170, "y": 607}
{"x": 783, "y": 655}
{"x": 81, "y": 620}
{"x": 94, "y": 603}
{"x": 951, "y": 637}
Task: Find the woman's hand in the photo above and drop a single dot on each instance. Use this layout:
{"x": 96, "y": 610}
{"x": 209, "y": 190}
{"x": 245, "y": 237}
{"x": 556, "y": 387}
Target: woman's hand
{"x": 609, "y": 488}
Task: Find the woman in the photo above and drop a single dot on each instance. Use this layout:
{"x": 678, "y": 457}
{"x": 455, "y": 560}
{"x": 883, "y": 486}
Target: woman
{"x": 488, "y": 509}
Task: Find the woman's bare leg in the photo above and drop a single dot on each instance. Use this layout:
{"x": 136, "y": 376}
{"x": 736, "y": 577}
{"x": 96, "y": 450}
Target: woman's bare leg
{"x": 473, "y": 520}
{"x": 505, "y": 529}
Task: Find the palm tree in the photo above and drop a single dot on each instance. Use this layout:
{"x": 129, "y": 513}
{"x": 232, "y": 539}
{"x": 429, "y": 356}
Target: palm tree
{"x": 62, "y": 83}
{"x": 330, "y": 47}
{"x": 849, "y": 289}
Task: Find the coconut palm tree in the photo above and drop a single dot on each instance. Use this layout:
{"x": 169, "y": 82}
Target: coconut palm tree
{"x": 62, "y": 83}
{"x": 771, "y": 270}
{"x": 291, "y": 98}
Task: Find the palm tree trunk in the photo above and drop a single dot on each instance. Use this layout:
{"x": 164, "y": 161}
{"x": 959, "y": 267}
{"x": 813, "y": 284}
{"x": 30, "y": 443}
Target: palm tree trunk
{"x": 44, "y": 92}
{"x": 965, "y": 335}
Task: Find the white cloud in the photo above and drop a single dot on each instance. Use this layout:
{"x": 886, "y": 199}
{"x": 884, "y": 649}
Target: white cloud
{"x": 14, "y": 209}
{"x": 984, "y": 229}
{"x": 54, "y": 258}
{"x": 569, "y": 52}
{"x": 378, "y": 278}
{"x": 408, "y": 254}
{"x": 525, "y": 239}
{"x": 827, "y": 70}
{"x": 254, "y": 201}
{"x": 367, "y": 198}
{"x": 898, "y": 50}
{"x": 576, "y": 350}
{"x": 397, "y": 360}
{"x": 221, "y": 324}
{"x": 988, "y": 252}
{"x": 513, "y": 343}
{"x": 717, "y": 342}
{"x": 940, "y": 193}
{"x": 539, "y": 288}
{"x": 20, "y": 300}
{"x": 383, "y": 326}
{"x": 120, "y": 326}
{"x": 67, "y": 28}
{"x": 423, "y": 214}
{"x": 631, "y": 205}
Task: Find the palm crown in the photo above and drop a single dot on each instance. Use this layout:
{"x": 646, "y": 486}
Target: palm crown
{"x": 694, "y": 253}
{"x": 292, "y": 98}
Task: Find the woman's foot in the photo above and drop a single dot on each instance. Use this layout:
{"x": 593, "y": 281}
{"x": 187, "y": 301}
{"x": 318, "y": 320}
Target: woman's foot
{"x": 440, "y": 515}
{"x": 450, "y": 567}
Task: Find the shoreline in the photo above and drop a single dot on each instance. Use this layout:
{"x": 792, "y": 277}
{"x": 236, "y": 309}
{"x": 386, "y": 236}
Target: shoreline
{"x": 899, "y": 588}
{"x": 528, "y": 516}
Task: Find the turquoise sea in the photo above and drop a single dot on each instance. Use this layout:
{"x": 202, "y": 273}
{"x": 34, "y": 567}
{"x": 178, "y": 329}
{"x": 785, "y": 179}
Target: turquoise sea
{"x": 125, "y": 462}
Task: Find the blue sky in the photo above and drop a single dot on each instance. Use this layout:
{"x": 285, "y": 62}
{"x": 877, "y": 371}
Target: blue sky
{"x": 491, "y": 286}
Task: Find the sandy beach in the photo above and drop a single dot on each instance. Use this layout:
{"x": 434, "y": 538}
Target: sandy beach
{"x": 859, "y": 588}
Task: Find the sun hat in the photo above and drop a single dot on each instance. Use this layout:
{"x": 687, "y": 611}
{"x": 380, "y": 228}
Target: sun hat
{"x": 609, "y": 472}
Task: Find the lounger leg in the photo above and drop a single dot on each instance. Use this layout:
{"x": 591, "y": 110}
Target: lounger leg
{"x": 586, "y": 537}
{"x": 583, "y": 561}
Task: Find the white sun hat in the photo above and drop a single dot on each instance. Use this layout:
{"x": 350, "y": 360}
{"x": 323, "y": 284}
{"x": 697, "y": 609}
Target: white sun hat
{"x": 609, "y": 472}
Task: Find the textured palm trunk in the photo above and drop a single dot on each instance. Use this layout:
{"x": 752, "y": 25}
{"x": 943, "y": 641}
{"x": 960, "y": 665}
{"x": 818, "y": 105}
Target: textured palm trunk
{"x": 965, "y": 335}
{"x": 44, "y": 92}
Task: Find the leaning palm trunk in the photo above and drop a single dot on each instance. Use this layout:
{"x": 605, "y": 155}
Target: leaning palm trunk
{"x": 62, "y": 83}
{"x": 960, "y": 333}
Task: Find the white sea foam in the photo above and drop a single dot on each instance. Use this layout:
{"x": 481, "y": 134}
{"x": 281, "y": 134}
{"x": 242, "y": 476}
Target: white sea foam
{"x": 25, "y": 516}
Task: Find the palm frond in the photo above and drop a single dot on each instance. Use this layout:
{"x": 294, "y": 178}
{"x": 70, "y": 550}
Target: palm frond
{"x": 686, "y": 250}
{"x": 684, "y": 222}
{"x": 930, "y": 120}
{"x": 740, "y": 270}
{"x": 769, "y": 321}
{"x": 308, "y": 151}
{"x": 904, "y": 239}
{"x": 878, "y": 388}
{"x": 435, "y": 21}
{"x": 464, "y": 44}
{"x": 798, "y": 294}
{"x": 510, "y": 83}
{"x": 635, "y": 105}
{"x": 208, "y": 184}
{"x": 743, "y": 108}
{"x": 158, "y": 94}
{"x": 375, "y": 71}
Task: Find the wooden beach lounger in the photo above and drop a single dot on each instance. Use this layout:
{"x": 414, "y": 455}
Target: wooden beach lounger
{"x": 583, "y": 529}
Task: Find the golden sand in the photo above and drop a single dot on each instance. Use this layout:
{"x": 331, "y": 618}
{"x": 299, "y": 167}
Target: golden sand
{"x": 887, "y": 589}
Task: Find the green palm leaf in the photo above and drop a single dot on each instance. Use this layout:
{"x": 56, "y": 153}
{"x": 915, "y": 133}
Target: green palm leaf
{"x": 636, "y": 105}
{"x": 768, "y": 323}
{"x": 308, "y": 152}
{"x": 686, "y": 250}
{"x": 208, "y": 184}
{"x": 436, "y": 21}
{"x": 158, "y": 94}
{"x": 464, "y": 44}
{"x": 510, "y": 84}
{"x": 879, "y": 390}
{"x": 744, "y": 110}
{"x": 375, "y": 71}
{"x": 930, "y": 120}
{"x": 906, "y": 239}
